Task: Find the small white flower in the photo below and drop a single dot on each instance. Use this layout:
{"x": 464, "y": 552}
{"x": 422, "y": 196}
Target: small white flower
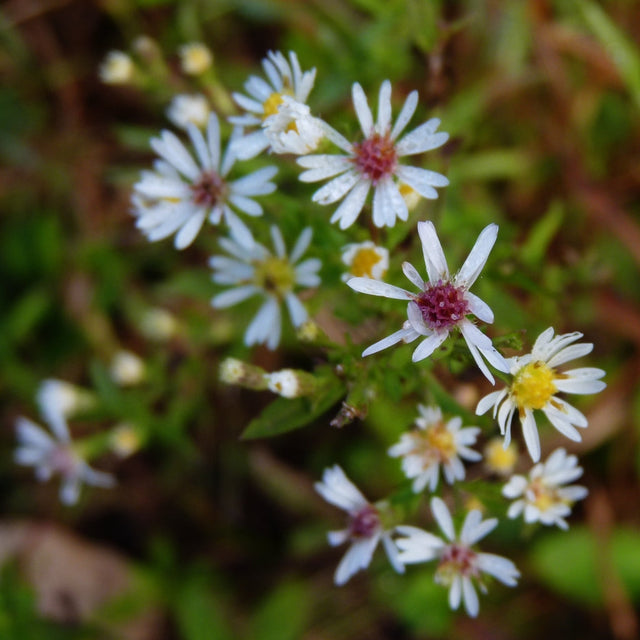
{"x": 117, "y": 68}
{"x": 365, "y": 529}
{"x": 375, "y": 162}
{"x": 498, "y": 459}
{"x": 181, "y": 192}
{"x": 125, "y": 439}
{"x": 444, "y": 302}
{"x": 284, "y": 78}
{"x": 459, "y": 565}
{"x": 433, "y": 444}
{"x": 185, "y": 109}
{"x": 292, "y": 129}
{"x": 56, "y": 397}
{"x": 36, "y": 448}
{"x": 365, "y": 260}
{"x": 127, "y": 369}
{"x": 543, "y": 496}
{"x": 536, "y": 380}
{"x": 195, "y": 58}
{"x": 257, "y": 271}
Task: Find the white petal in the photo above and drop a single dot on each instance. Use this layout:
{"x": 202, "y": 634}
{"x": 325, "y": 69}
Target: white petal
{"x": 443, "y": 518}
{"x": 378, "y": 288}
{"x": 362, "y": 110}
{"x": 337, "y": 188}
{"x": 416, "y": 320}
{"x": 422, "y": 139}
{"x": 470, "y": 597}
{"x": 337, "y": 489}
{"x": 428, "y": 346}
{"x": 434, "y": 259}
{"x": 479, "y": 307}
{"x": 476, "y": 260}
{"x": 352, "y": 205}
{"x": 493, "y": 399}
{"x": 412, "y": 274}
{"x": 384, "y": 108}
{"x": 406, "y": 113}
{"x": 189, "y": 231}
{"x": 233, "y": 296}
{"x": 322, "y": 167}
{"x": 301, "y": 245}
{"x": 404, "y": 335}
{"x": 531, "y": 437}
{"x": 422, "y": 180}
{"x": 297, "y": 312}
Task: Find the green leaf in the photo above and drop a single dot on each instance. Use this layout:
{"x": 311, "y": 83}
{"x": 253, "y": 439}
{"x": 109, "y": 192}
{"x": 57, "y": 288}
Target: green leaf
{"x": 284, "y": 414}
{"x": 283, "y": 615}
{"x": 535, "y": 248}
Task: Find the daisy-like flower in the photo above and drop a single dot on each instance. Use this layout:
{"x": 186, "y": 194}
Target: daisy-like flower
{"x": 257, "y": 271}
{"x": 542, "y": 497}
{"x": 375, "y": 162}
{"x": 459, "y": 565}
{"x": 195, "y": 58}
{"x": 181, "y": 192}
{"x": 284, "y": 78}
{"x": 186, "y": 108}
{"x": 536, "y": 381}
{"x": 365, "y": 260}
{"x": 365, "y": 528}
{"x": 117, "y": 68}
{"x": 443, "y": 303}
{"x": 433, "y": 444}
{"x": 498, "y": 459}
{"x": 57, "y": 454}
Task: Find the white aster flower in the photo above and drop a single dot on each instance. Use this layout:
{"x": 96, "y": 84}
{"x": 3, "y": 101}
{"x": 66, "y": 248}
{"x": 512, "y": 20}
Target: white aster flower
{"x": 257, "y": 271}
{"x": 443, "y": 303}
{"x": 185, "y": 109}
{"x": 127, "y": 369}
{"x": 365, "y": 260}
{"x": 284, "y": 78}
{"x": 365, "y": 529}
{"x": 49, "y": 455}
{"x": 433, "y": 444}
{"x": 117, "y": 68}
{"x": 459, "y": 565}
{"x": 536, "y": 381}
{"x": 375, "y": 162}
{"x": 292, "y": 129}
{"x": 498, "y": 459}
{"x": 181, "y": 192}
{"x": 58, "y": 397}
{"x": 542, "y": 497}
{"x": 195, "y": 58}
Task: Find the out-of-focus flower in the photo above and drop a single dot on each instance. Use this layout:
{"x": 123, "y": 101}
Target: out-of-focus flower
{"x": 365, "y": 529}
{"x": 375, "y": 162}
{"x": 117, "y": 68}
{"x": 195, "y": 58}
{"x": 188, "y": 109}
{"x": 536, "y": 381}
{"x": 127, "y": 369}
{"x": 158, "y": 324}
{"x": 365, "y": 260}
{"x": 243, "y": 374}
{"x": 435, "y": 443}
{"x": 55, "y": 455}
{"x": 443, "y": 303}
{"x": 499, "y": 459}
{"x": 257, "y": 271}
{"x": 125, "y": 439}
{"x": 266, "y": 97}
{"x": 543, "y": 496}
{"x": 181, "y": 192}
{"x": 292, "y": 383}
{"x": 459, "y": 566}
{"x": 60, "y": 397}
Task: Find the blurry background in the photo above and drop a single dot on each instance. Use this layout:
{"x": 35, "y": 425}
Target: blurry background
{"x": 207, "y": 536}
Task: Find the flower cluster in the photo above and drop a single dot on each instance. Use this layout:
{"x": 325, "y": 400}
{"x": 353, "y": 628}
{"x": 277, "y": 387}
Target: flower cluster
{"x": 203, "y": 180}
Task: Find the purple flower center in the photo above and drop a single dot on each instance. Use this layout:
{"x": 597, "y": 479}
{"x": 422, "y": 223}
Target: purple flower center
{"x": 364, "y": 523}
{"x": 375, "y": 157}
{"x": 458, "y": 559}
{"x": 209, "y": 190}
{"x": 63, "y": 460}
{"x": 443, "y": 305}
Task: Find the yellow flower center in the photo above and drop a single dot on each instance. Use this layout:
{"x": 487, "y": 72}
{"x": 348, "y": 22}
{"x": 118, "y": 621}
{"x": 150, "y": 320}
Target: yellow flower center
{"x": 499, "y": 459}
{"x": 272, "y": 104}
{"x": 440, "y": 441}
{"x": 275, "y": 276}
{"x": 544, "y": 497}
{"x": 364, "y": 261}
{"x": 533, "y": 385}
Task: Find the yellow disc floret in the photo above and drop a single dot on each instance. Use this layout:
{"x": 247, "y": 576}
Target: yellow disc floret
{"x": 364, "y": 261}
{"x": 533, "y": 385}
{"x": 275, "y": 276}
{"x": 441, "y": 441}
{"x": 271, "y": 105}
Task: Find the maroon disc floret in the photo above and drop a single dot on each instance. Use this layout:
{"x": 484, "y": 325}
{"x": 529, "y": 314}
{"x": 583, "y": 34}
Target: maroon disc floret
{"x": 375, "y": 157}
{"x": 443, "y": 305}
{"x": 364, "y": 523}
{"x": 209, "y": 190}
{"x": 461, "y": 558}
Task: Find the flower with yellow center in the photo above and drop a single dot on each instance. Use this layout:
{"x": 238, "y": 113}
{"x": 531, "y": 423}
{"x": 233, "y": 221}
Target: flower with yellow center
{"x": 543, "y": 496}
{"x": 117, "y": 68}
{"x": 278, "y": 107}
{"x": 365, "y": 260}
{"x": 435, "y": 443}
{"x": 257, "y": 271}
{"x": 536, "y": 381}
{"x": 498, "y": 459}
{"x": 195, "y": 58}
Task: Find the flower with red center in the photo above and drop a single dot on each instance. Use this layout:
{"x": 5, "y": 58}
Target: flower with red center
{"x": 365, "y": 528}
{"x": 181, "y": 192}
{"x": 444, "y": 302}
{"x": 459, "y": 566}
{"x": 433, "y": 444}
{"x": 375, "y": 162}
{"x": 543, "y": 496}
{"x": 535, "y": 385}
{"x": 49, "y": 455}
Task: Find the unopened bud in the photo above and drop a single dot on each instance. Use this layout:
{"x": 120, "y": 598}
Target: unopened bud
{"x": 249, "y": 376}
{"x": 117, "y": 68}
{"x": 195, "y": 58}
{"x": 127, "y": 369}
{"x": 292, "y": 383}
{"x": 125, "y": 439}
{"x": 498, "y": 459}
